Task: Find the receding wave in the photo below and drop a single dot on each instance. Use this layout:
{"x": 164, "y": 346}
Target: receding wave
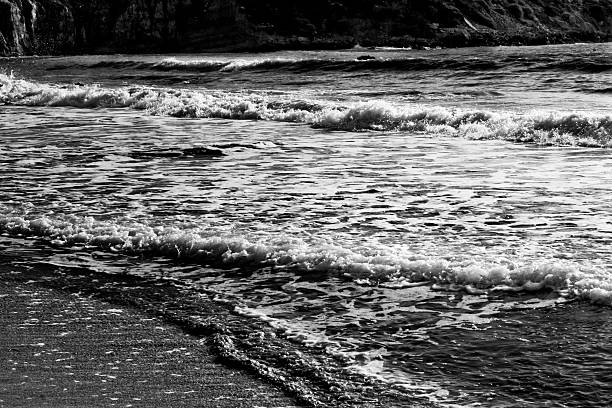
{"x": 544, "y": 128}
{"x": 360, "y": 63}
{"x": 367, "y": 266}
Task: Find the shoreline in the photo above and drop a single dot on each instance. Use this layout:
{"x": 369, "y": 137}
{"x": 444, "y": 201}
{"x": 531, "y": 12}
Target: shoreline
{"x": 64, "y": 349}
{"x": 267, "y": 370}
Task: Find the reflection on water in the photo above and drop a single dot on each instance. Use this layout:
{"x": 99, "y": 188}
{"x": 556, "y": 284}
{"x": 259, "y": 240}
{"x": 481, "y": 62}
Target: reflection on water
{"x": 419, "y": 192}
{"x": 390, "y": 192}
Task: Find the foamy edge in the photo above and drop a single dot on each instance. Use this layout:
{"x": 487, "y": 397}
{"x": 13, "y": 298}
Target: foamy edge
{"x": 384, "y": 266}
{"x": 544, "y": 128}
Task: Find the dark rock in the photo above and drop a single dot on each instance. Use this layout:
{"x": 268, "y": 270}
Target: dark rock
{"x": 203, "y": 151}
{"x": 365, "y": 58}
{"x": 176, "y": 153}
{"x": 94, "y": 26}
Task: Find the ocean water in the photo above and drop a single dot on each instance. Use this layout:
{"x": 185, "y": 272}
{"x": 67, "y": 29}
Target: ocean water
{"x": 410, "y": 227}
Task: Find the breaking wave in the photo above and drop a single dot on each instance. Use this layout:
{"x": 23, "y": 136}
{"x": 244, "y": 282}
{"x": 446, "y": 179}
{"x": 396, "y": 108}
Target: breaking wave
{"x": 372, "y": 265}
{"x": 545, "y": 128}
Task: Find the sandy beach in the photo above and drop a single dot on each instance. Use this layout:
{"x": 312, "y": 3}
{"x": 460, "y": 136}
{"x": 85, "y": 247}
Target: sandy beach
{"x": 64, "y": 350}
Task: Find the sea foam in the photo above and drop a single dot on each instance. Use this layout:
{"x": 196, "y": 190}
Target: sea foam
{"x": 545, "y": 128}
{"x": 379, "y": 265}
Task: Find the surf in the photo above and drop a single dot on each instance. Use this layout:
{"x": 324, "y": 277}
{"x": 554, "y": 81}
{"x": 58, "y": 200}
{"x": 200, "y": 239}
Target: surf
{"x": 542, "y": 128}
{"x": 378, "y": 265}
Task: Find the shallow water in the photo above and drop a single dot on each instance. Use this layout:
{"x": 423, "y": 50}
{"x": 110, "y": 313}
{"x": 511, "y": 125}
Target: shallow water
{"x": 413, "y": 215}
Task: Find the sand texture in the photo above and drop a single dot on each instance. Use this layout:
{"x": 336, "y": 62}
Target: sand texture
{"x": 64, "y": 350}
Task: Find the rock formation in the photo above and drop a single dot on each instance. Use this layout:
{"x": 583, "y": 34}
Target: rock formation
{"x": 94, "y": 26}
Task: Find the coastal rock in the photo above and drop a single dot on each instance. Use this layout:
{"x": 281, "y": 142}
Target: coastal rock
{"x": 110, "y": 26}
{"x": 36, "y": 27}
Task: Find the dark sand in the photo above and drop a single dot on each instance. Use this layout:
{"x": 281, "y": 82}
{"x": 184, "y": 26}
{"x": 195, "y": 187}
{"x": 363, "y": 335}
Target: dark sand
{"x": 60, "y": 349}
{"x": 76, "y": 336}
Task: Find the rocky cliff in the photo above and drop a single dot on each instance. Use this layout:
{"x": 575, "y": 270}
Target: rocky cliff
{"x": 87, "y": 26}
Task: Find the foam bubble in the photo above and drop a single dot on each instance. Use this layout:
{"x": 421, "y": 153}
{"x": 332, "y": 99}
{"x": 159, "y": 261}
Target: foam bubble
{"x": 376, "y": 265}
{"x": 545, "y": 128}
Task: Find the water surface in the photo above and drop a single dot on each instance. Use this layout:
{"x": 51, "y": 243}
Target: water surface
{"x": 437, "y": 221}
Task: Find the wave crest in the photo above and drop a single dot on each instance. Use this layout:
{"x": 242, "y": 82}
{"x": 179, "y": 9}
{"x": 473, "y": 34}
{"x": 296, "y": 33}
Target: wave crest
{"x": 368, "y": 266}
{"x": 543, "y": 128}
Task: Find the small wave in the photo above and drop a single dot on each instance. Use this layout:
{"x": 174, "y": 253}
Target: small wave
{"x": 197, "y": 65}
{"x": 366, "y": 266}
{"x": 304, "y": 65}
{"x": 544, "y": 128}
{"x": 298, "y": 65}
{"x": 203, "y": 65}
{"x": 360, "y": 63}
{"x": 536, "y": 127}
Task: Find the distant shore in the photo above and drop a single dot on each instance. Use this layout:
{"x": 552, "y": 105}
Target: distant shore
{"x": 448, "y": 39}
{"x": 69, "y": 27}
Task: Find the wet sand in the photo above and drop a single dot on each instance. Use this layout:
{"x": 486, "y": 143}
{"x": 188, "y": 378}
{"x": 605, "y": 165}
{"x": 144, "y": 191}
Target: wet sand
{"x": 60, "y": 349}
